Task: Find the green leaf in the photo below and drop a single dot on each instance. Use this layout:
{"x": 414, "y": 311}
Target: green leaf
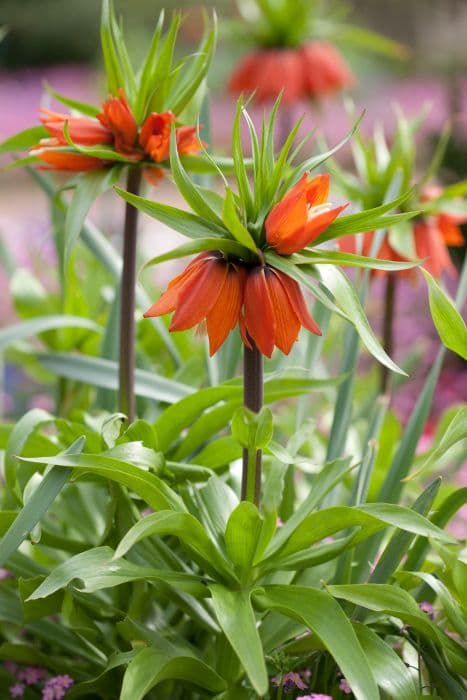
{"x": 111, "y": 62}
{"x": 250, "y": 429}
{"x": 242, "y": 534}
{"x": 24, "y": 140}
{"x": 331, "y": 474}
{"x": 371, "y": 41}
{"x": 234, "y": 225}
{"x": 39, "y": 324}
{"x": 370, "y": 517}
{"x": 205, "y": 427}
{"x": 455, "y": 432}
{"x": 148, "y": 486}
{"x": 447, "y": 319}
{"x": 333, "y": 257}
{"x": 226, "y": 245}
{"x": 37, "y": 505}
{"x": 391, "y": 600}
{"x": 184, "y": 222}
{"x": 82, "y": 107}
{"x": 184, "y": 526}
{"x": 96, "y": 569}
{"x": 403, "y": 459}
{"x": 189, "y": 192}
{"x": 104, "y": 373}
{"x": 237, "y": 620}
{"x": 20, "y": 434}
{"x": 401, "y": 239}
{"x": 348, "y": 301}
{"x": 318, "y": 611}
{"x": 151, "y": 666}
{"x": 90, "y": 186}
{"x": 391, "y": 673}
{"x": 368, "y": 220}
{"x": 400, "y": 542}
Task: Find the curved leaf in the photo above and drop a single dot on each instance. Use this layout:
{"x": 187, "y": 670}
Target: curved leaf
{"x": 324, "y": 616}
{"x": 226, "y": 245}
{"x": 97, "y": 569}
{"x": 151, "y": 666}
{"x": 391, "y": 673}
{"x": 182, "y": 525}
{"x": 39, "y": 324}
{"x": 237, "y": 620}
{"x": 97, "y": 371}
{"x": 148, "y": 486}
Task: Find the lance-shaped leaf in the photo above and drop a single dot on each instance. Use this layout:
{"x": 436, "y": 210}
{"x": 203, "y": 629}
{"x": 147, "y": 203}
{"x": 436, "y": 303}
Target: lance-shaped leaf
{"x": 333, "y": 257}
{"x": 90, "y": 186}
{"x": 347, "y": 299}
{"x": 370, "y": 518}
{"x": 37, "y": 505}
{"x": 318, "y": 611}
{"x": 237, "y": 620}
{"x": 24, "y": 140}
{"x": 447, "y": 319}
{"x": 99, "y": 372}
{"x": 234, "y": 225}
{"x": 148, "y": 486}
{"x": 390, "y": 672}
{"x": 396, "y": 602}
{"x": 226, "y": 245}
{"x": 184, "y": 222}
{"x": 96, "y": 569}
{"x": 152, "y": 665}
{"x": 368, "y": 220}
{"x": 192, "y": 195}
{"x": 184, "y": 526}
{"x": 455, "y": 432}
{"x": 39, "y": 324}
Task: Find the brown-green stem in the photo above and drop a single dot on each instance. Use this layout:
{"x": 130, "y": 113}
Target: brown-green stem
{"x": 127, "y": 302}
{"x": 388, "y": 329}
{"x": 252, "y": 399}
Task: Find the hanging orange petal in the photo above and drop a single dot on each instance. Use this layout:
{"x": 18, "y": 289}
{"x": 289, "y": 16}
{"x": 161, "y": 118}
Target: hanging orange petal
{"x": 259, "y": 315}
{"x": 199, "y": 293}
{"x": 225, "y": 313}
{"x": 450, "y": 231}
{"x": 429, "y": 244}
{"x": 287, "y": 322}
{"x": 298, "y": 303}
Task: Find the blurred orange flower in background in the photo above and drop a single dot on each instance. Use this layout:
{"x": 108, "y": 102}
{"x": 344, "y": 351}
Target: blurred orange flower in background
{"x": 313, "y": 70}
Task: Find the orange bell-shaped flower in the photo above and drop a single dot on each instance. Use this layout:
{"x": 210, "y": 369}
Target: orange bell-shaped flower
{"x": 209, "y": 290}
{"x": 275, "y": 311}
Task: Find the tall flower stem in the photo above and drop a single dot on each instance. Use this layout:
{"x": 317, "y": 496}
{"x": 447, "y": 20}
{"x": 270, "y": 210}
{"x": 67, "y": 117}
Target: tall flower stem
{"x": 127, "y": 302}
{"x": 388, "y": 329}
{"x": 252, "y": 399}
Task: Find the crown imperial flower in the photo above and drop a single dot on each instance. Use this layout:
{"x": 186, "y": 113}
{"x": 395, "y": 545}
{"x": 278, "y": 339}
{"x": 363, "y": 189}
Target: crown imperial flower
{"x": 301, "y": 216}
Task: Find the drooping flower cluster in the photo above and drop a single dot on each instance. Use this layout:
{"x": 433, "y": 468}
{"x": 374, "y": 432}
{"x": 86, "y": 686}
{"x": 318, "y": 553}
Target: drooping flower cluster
{"x": 267, "y": 304}
{"x": 312, "y": 70}
{"x": 432, "y": 234}
{"x": 114, "y": 126}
